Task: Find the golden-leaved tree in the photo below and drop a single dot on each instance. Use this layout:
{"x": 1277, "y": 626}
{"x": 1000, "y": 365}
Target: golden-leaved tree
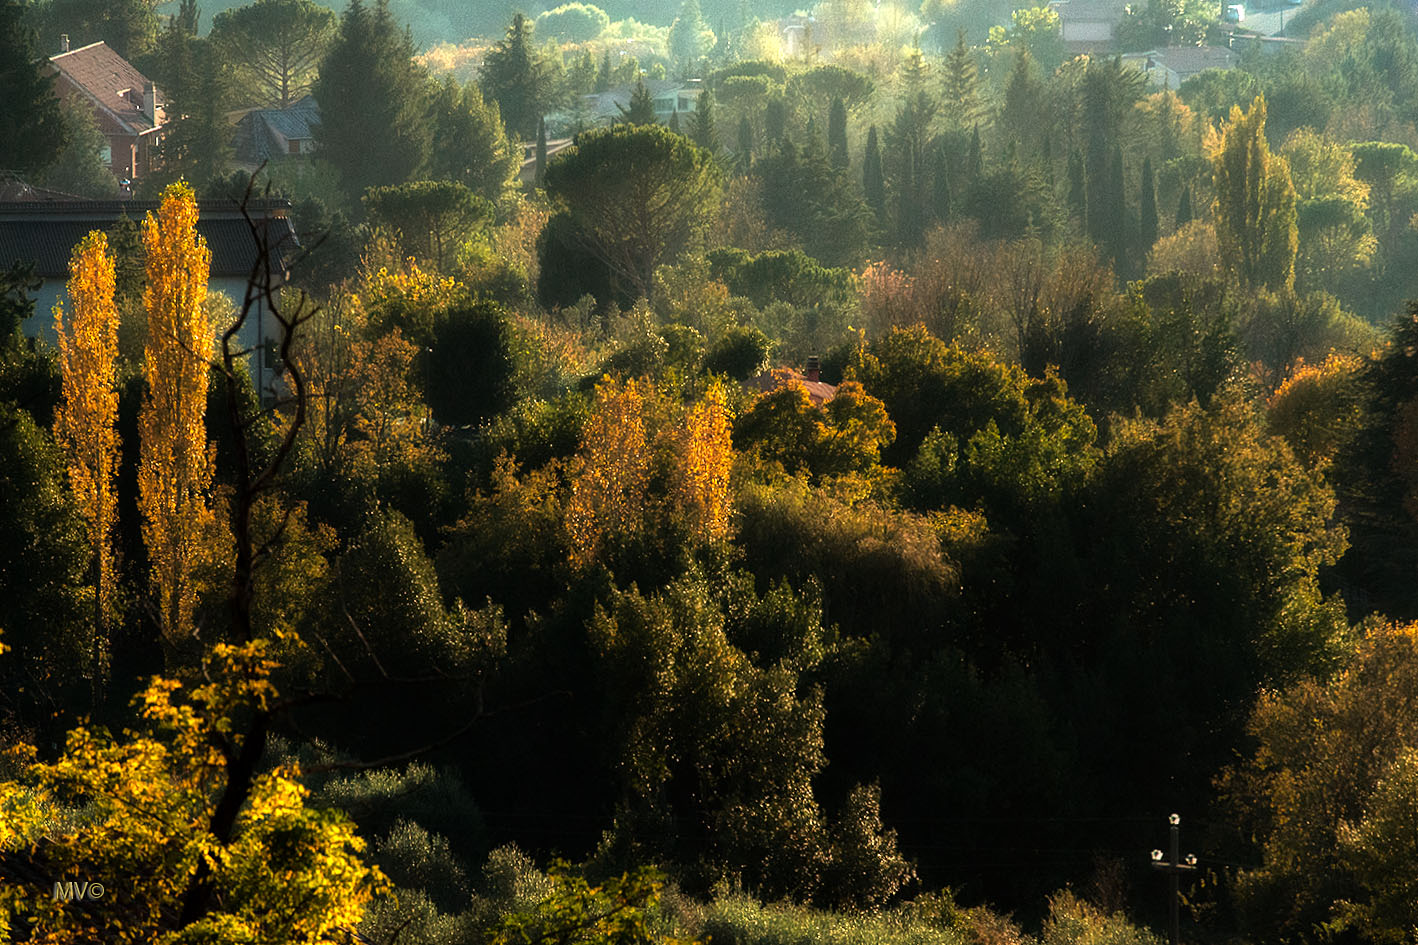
{"x": 705, "y": 457}
{"x": 1255, "y": 201}
{"x": 85, "y": 423}
{"x": 608, "y": 490}
{"x": 139, "y": 816}
{"x": 176, "y": 467}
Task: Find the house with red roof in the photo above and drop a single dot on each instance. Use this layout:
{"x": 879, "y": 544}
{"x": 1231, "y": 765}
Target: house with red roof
{"x": 124, "y": 103}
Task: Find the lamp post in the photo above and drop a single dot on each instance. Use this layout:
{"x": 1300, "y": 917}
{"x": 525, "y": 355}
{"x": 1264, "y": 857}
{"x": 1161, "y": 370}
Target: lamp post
{"x": 1174, "y": 867}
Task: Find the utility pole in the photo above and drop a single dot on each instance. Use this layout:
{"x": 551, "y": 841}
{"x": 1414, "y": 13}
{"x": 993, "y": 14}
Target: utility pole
{"x": 1174, "y": 867}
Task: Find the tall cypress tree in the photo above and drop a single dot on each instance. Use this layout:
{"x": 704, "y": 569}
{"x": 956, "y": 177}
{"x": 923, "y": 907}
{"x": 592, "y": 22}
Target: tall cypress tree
{"x": 775, "y": 120}
{"x": 908, "y": 204}
{"x": 745, "y": 143}
{"x": 976, "y": 162}
{"x": 940, "y": 184}
{"x": 603, "y": 75}
{"x": 541, "y": 168}
{"x": 1077, "y": 190}
{"x": 1184, "y": 207}
{"x": 517, "y": 79}
{"x": 1147, "y": 215}
{"x": 1117, "y": 225}
{"x": 837, "y": 134}
{"x": 197, "y": 140}
{"x": 701, "y": 125}
{"x": 32, "y": 130}
{"x": 873, "y": 180}
{"x": 373, "y": 109}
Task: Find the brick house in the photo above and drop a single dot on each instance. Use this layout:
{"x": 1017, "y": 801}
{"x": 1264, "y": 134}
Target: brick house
{"x": 124, "y": 103}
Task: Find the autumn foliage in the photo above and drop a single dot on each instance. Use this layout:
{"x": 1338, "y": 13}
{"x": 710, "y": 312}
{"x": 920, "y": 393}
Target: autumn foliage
{"x": 85, "y": 423}
{"x": 175, "y": 472}
{"x": 133, "y": 815}
{"x": 705, "y": 458}
{"x": 608, "y": 491}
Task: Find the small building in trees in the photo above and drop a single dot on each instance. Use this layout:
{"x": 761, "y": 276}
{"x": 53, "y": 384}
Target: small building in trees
{"x": 608, "y": 107}
{"x": 1168, "y": 68}
{"x": 819, "y": 392}
{"x": 528, "y": 172}
{"x": 1087, "y": 26}
{"x": 43, "y": 232}
{"x": 125, "y": 104}
{"x": 273, "y": 134}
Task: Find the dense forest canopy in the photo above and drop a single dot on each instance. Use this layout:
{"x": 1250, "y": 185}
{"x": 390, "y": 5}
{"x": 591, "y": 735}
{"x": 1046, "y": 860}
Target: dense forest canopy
{"x": 713, "y": 471}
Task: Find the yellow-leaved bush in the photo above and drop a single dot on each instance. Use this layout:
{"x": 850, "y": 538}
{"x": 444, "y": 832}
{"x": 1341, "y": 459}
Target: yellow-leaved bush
{"x": 608, "y": 488}
{"x": 648, "y": 463}
{"x": 705, "y": 454}
{"x": 133, "y": 815}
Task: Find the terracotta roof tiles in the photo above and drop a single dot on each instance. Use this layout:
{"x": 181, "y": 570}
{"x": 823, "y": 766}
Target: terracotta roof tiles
{"x": 112, "y": 83}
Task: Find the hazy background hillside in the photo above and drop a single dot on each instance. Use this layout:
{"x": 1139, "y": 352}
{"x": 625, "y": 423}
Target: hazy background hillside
{"x": 452, "y": 21}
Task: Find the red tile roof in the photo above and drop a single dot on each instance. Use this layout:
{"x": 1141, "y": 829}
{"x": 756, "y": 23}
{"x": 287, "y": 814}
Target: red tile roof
{"x": 112, "y": 84}
{"x": 769, "y": 381}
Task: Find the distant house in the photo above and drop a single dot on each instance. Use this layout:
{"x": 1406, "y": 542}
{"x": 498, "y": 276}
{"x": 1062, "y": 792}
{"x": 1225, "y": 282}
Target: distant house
{"x": 1089, "y": 25}
{"x": 44, "y": 232}
{"x": 1170, "y": 67}
{"x": 271, "y": 134}
{"x": 528, "y": 172}
{"x": 810, "y": 378}
{"x": 124, "y": 102}
{"x": 670, "y": 97}
{"x": 802, "y": 35}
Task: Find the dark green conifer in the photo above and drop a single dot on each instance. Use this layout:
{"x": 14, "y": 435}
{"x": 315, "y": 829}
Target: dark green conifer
{"x": 1184, "y": 207}
{"x": 1077, "y": 191}
{"x": 32, "y": 129}
{"x": 1147, "y": 215}
{"x": 701, "y": 125}
{"x": 775, "y": 120}
{"x": 940, "y": 185}
{"x": 541, "y": 168}
{"x": 642, "y": 106}
{"x": 837, "y": 134}
{"x": 873, "y": 180}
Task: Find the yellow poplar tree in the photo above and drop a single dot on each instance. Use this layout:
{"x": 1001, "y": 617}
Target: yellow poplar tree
{"x": 175, "y": 472}
{"x": 1254, "y": 209}
{"x": 608, "y": 491}
{"x": 85, "y": 422}
{"x": 705, "y": 454}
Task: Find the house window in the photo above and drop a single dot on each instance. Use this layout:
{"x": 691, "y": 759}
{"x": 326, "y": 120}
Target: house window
{"x": 105, "y": 154}
{"x": 294, "y": 146}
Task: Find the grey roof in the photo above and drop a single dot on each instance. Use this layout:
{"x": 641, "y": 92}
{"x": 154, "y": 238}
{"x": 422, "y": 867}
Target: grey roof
{"x": 260, "y": 133}
{"x": 44, "y": 232}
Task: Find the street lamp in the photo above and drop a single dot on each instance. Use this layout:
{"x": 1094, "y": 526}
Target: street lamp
{"x": 1174, "y": 868}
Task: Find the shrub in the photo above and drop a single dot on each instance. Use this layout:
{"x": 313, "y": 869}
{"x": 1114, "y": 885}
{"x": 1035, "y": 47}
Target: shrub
{"x": 1072, "y": 921}
{"x": 739, "y": 920}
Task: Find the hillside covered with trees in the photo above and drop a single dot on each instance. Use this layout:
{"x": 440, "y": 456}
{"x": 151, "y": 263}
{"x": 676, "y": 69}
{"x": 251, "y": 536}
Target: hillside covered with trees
{"x": 727, "y": 477}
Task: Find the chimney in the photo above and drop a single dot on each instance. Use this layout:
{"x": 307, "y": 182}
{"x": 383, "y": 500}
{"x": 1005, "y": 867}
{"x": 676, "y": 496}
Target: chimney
{"x": 150, "y": 102}
{"x": 814, "y": 369}
{"x": 63, "y": 42}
